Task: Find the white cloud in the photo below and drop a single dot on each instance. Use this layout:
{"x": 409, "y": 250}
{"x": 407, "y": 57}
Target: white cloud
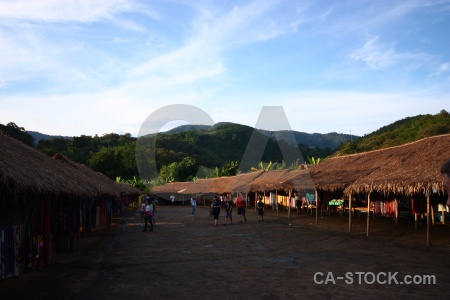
{"x": 64, "y": 10}
{"x": 380, "y": 56}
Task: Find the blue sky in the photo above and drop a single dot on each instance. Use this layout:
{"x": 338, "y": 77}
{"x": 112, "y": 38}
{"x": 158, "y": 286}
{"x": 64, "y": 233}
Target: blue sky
{"x": 95, "y": 67}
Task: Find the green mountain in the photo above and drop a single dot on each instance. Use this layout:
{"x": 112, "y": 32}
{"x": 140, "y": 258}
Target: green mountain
{"x": 180, "y": 153}
{"x": 40, "y": 136}
{"x": 331, "y": 140}
{"x": 400, "y": 132}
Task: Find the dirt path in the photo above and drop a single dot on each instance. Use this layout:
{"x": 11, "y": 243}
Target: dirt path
{"x": 187, "y": 257}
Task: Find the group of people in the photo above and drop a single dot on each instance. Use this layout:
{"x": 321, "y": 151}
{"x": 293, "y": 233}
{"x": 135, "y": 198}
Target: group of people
{"x": 148, "y": 206}
{"x": 302, "y": 204}
{"x": 228, "y": 205}
{"x": 147, "y": 211}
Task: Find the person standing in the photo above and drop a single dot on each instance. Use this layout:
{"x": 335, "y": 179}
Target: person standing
{"x": 260, "y": 206}
{"x": 172, "y": 199}
{"x": 228, "y": 211}
{"x": 445, "y": 170}
{"x": 148, "y": 215}
{"x": 297, "y": 202}
{"x": 215, "y": 207}
{"x": 194, "y": 206}
{"x": 142, "y": 210}
{"x": 241, "y": 208}
{"x": 155, "y": 205}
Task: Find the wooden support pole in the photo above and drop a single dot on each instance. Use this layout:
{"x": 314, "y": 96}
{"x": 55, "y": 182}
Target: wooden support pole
{"x": 276, "y": 201}
{"x": 428, "y": 220}
{"x": 289, "y": 207}
{"x": 349, "y": 212}
{"x": 368, "y": 214}
{"x": 317, "y": 207}
{"x": 415, "y": 220}
{"x": 432, "y": 214}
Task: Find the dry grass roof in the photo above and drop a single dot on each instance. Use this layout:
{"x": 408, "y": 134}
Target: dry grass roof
{"x": 24, "y": 169}
{"x": 408, "y": 169}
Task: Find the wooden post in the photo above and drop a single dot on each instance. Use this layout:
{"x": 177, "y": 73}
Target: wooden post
{"x": 432, "y": 213}
{"x": 276, "y": 201}
{"x": 264, "y": 199}
{"x": 368, "y": 214}
{"x": 415, "y": 220}
{"x": 428, "y": 220}
{"x": 289, "y": 207}
{"x": 317, "y": 206}
{"x": 349, "y": 212}
{"x": 246, "y": 202}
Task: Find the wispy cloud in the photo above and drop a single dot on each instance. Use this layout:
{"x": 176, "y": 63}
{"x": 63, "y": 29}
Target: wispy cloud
{"x": 65, "y": 10}
{"x": 380, "y": 56}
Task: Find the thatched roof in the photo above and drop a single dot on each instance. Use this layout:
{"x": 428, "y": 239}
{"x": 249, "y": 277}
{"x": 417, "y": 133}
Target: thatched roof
{"x": 127, "y": 189}
{"x": 103, "y": 184}
{"x": 99, "y": 182}
{"x": 299, "y": 180}
{"x": 407, "y": 169}
{"x": 172, "y": 188}
{"x": 268, "y": 180}
{"x": 24, "y": 169}
{"x": 220, "y": 185}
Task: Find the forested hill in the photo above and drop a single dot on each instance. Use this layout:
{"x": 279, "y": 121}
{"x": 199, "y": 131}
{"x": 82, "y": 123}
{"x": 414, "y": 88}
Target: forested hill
{"x": 332, "y": 140}
{"x": 180, "y": 151}
{"x": 400, "y": 132}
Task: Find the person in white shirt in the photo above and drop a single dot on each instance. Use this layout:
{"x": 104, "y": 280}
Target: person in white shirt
{"x": 172, "y": 199}
{"x": 149, "y": 215}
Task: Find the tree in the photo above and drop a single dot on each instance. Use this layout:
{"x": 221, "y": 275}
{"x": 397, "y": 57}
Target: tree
{"x": 313, "y": 161}
{"x": 264, "y": 166}
{"x": 180, "y": 171}
{"x": 229, "y": 169}
{"x": 18, "y": 133}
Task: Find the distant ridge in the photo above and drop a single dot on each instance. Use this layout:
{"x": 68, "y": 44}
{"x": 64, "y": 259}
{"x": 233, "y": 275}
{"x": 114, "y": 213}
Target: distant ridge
{"x": 41, "y": 136}
{"x": 332, "y": 140}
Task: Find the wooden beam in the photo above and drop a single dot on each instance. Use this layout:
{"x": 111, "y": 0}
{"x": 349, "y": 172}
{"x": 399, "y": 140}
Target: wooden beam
{"x": 428, "y": 220}
{"x": 317, "y": 207}
{"x": 349, "y": 212}
{"x": 368, "y": 215}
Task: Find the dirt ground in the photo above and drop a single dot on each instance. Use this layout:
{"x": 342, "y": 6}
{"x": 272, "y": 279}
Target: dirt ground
{"x": 187, "y": 257}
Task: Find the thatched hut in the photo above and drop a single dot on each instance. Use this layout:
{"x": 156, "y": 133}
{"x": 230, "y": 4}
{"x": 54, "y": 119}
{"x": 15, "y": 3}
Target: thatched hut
{"x": 41, "y": 204}
{"x": 410, "y": 170}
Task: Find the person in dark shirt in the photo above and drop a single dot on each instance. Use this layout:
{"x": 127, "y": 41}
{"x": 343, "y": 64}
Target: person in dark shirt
{"x": 215, "y": 207}
{"x": 260, "y": 206}
{"x": 228, "y": 211}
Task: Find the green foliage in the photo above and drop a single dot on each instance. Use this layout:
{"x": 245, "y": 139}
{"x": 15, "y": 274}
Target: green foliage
{"x": 18, "y": 133}
{"x": 404, "y": 131}
{"x": 229, "y": 169}
{"x": 136, "y": 182}
{"x": 314, "y": 161}
{"x": 213, "y": 151}
{"x": 264, "y": 166}
{"x": 180, "y": 171}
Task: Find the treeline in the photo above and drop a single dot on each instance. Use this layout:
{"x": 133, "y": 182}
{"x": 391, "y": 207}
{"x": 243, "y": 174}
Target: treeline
{"x": 178, "y": 156}
{"x": 401, "y": 132}
{"x": 212, "y": 151}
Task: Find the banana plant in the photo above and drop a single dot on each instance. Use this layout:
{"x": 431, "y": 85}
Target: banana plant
{"x": 313, "y": 161}
{"x": 263, "y": 166}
